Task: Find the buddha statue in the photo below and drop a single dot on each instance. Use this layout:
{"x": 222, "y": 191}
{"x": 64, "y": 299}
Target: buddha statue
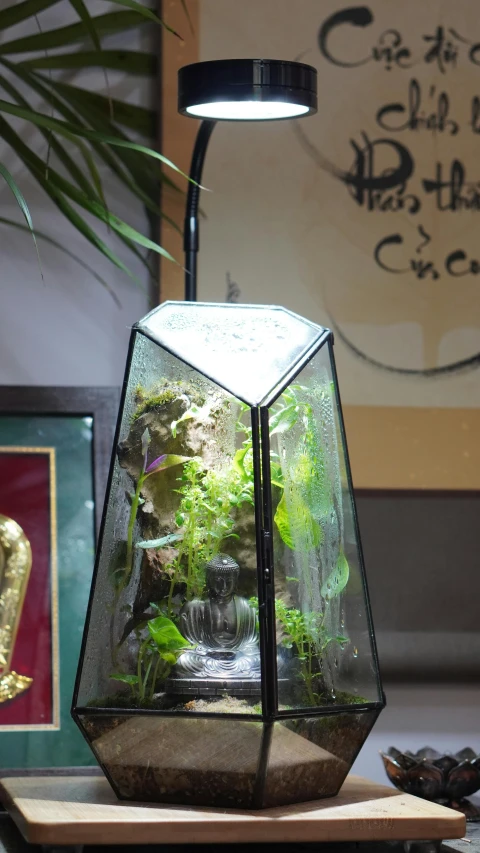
{"x": 223, "y": 631}
{"x": 15, "y": 565}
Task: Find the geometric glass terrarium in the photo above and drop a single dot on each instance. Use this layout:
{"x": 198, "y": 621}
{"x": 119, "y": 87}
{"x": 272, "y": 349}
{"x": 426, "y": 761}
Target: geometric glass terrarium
{"x": 228, "y": 657}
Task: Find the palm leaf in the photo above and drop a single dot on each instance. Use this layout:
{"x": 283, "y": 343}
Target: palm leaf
{"x": 135, "y": 117}
{"x": 35, "y": 82}
{"x": 148, "y": 196}
{"x": 133, "y": 177}
{"x": 129, "y": 61}
{"x": 147, "y": 13}
{"x": 85, "y": 122}
{"x": 187, "y": 15}
{"x": 104, "y": 215}
{"x": 112, "y": 22}
{"x": 86, "y": 19}
{"x": 104, "y": 152}
{"x": 62, "y": 248}
{"x": 60, "y": 184}
{"x": 68, "y": 161}
{"x": 76, "y": 220}
{"x": 21, "y": 11}
{"x": 36, "y": 167}
{"x": 9, "y": 179}
{"x": 139, "y": 167}
{"x": 69, "y": 130}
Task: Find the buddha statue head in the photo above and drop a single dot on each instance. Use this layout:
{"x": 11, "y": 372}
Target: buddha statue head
{"x": 222, "y": 578}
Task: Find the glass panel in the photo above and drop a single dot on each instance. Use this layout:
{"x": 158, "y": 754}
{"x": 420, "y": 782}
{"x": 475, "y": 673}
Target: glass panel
{"x": 178, "y": 760}
{"x": 325, "y": 654}
{"x": 310, "y": 757}
{"x": 172, "y": 625}
{"x": 247, "y": 349}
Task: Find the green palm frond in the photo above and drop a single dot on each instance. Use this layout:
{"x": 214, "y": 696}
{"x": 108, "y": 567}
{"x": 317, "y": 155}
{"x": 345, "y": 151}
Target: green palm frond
{"x": 131, "y": 61}
{"x": 83, "y": 128}
{"x": 18, "y": 12}
{"x": 105, "y": 25}
{"x": 40, "y": 235}
{"x": 10, "y": 180}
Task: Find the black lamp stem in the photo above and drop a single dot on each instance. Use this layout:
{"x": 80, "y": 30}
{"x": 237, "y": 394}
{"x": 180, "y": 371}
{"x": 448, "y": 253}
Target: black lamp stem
{"x": 190, "y": 230}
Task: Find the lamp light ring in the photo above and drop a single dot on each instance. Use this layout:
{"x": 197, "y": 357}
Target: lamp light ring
{"x": 247, "y": 89}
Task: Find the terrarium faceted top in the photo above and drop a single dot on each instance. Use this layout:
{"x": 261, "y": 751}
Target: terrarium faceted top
{"x": 246, "y": 349}
{"x": 228, "y": 656}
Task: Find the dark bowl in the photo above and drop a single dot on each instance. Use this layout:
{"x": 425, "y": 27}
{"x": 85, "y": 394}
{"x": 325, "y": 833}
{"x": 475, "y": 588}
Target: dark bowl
{"x": 443, "y": 778}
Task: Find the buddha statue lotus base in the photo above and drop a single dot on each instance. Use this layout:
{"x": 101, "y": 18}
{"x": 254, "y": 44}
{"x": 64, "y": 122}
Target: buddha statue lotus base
{"x": 214, "y": 687}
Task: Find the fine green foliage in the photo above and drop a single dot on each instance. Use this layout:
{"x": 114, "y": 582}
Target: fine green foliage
{"x": 307, "y": 635}
{"x": 305, "y": 632}
{"x": 94, "y": 125}
{"x": 157, "y": 653}
{"x": 306, "y": 492}
{"x": 306, "y": 498}
{"x": 205, "y": 519}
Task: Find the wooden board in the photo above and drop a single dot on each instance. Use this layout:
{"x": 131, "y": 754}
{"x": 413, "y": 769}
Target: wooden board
{"x": 84, "y": 810}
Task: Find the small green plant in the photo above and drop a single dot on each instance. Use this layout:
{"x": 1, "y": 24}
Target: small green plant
{"x": 157, "y": 653}
{"x": 205, "y": 520}
{"x": 304, "y": 483}
{"x": 307, "y": 635}
{"x": 306, "y": 498}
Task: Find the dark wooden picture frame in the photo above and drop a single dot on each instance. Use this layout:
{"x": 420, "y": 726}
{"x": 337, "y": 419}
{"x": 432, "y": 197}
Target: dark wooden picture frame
{"x": 101, "y": 403}
{"x": 56, "y": 447}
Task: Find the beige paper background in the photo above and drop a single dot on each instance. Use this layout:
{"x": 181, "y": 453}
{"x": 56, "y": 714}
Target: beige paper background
{"x": 290, "y": 233}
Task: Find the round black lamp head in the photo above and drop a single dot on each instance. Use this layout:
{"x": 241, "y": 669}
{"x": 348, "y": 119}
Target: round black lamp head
{"x": 247, "y": 90}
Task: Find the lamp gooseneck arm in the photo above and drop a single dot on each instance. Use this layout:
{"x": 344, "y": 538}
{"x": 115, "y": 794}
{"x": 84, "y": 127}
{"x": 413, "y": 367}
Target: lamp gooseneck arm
{"x": 190, "y": 230}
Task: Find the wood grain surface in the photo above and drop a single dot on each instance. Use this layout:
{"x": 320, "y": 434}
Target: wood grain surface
{"x": 84, "y": 810}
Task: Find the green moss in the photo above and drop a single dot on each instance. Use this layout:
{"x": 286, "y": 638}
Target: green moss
{"x": 163, "y": 393}
{"x": 118, "y": 700}
{"x": 154, "y": 402}
{"x": 343, "y": 698}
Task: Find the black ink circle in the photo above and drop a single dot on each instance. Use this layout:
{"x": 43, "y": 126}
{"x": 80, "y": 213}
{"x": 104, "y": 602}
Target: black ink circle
{"x": 470, "y": 363}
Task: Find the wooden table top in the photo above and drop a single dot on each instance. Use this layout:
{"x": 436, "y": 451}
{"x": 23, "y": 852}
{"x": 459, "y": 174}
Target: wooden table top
{"x": 84, "y": 810}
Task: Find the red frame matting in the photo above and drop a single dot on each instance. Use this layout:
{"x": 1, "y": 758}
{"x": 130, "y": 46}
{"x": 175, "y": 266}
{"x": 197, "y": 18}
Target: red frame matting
{"x": 25, "y": 495}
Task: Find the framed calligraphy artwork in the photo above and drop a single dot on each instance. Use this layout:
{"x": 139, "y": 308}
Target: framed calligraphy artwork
{"x": 364, "y": 217}
{"x": 55, "y": 445}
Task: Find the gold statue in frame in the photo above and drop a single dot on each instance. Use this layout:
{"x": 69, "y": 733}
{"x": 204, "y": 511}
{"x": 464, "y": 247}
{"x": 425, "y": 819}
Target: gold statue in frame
{"x": 15, "y": 565}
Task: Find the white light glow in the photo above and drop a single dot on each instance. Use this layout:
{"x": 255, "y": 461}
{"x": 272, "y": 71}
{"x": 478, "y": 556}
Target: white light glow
{"x": 247, "y": 110}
